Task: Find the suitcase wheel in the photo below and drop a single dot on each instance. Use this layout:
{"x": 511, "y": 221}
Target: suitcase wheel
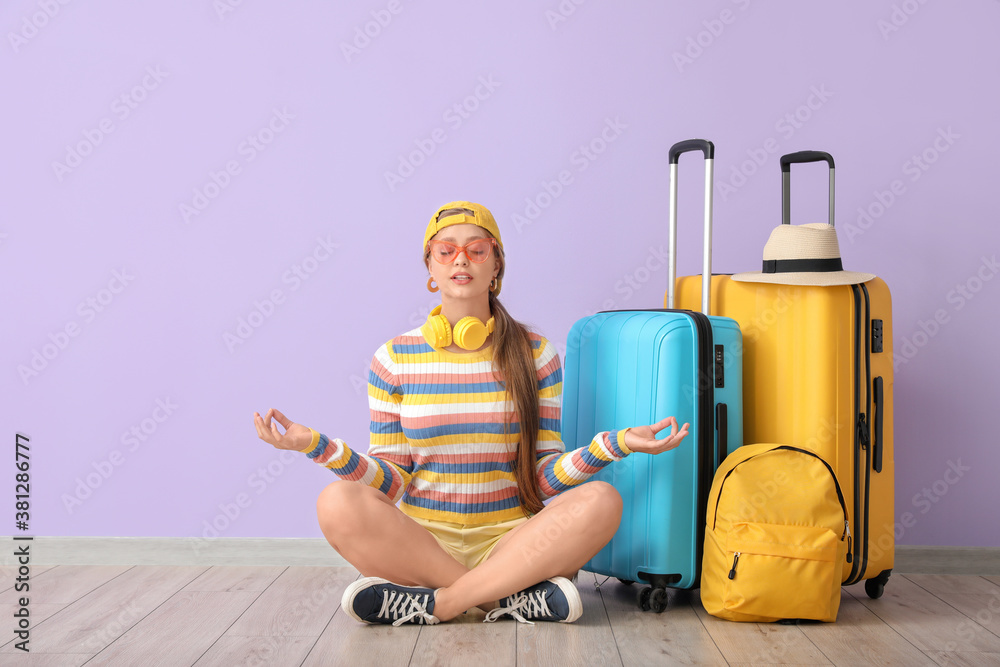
{"x": 627, "y": 582}
{"x": 876, "y": 586}
{"x": 653, "y": 598}
{"x": 874, "y": 589}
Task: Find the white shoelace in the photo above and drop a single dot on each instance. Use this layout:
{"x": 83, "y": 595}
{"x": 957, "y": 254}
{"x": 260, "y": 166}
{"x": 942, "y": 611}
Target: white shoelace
{"x": 404, "y": 607}
{"x": 532, "y": 604}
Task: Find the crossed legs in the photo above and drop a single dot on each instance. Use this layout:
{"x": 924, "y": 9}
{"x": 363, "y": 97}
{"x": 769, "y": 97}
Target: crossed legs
{"x": 374, "y": 536}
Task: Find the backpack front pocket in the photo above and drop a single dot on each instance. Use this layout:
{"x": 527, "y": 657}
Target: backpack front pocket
{"x": 782, "y": 571}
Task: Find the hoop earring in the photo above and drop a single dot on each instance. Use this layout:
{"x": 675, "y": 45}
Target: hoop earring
{"x": 493, "y": 285}
{"x": 430, "y": 281}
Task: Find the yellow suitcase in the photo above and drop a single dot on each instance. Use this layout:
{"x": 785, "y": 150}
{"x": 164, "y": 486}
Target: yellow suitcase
{"x": 818, "y": 373}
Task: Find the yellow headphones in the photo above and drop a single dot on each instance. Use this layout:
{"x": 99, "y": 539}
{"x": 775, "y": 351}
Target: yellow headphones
{"x": 469, "y": 332}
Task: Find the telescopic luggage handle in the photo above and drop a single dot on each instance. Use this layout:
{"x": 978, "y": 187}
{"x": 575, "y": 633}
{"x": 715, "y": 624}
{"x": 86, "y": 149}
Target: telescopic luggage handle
{"x": 708, "y": 149}
{"x": 786, "y": 165}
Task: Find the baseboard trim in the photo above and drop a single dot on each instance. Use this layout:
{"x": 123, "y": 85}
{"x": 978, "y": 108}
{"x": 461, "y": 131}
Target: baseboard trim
{"x": 947, "y": 560}
{"x": 179, "y": 551}
{"x": 315, "y": 552}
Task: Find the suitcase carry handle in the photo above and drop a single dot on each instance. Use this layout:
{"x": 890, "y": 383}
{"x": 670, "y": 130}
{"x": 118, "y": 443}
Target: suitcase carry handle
{"x": 786, "y": 164}
{"x": 877, "y": 395}
{"x": 703, "y": 145}
{"x": 708, "y": 149}
{"x": 722, "y": 426}
{"x": 805, "y": 156}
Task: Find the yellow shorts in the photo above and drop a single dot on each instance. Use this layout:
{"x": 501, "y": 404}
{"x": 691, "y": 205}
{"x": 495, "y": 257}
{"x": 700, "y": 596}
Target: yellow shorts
{"x": 469, "y": 544}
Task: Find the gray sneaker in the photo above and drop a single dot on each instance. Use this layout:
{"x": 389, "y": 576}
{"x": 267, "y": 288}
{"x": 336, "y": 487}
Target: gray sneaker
{"x": 555, "y": 599}
{"x": 374, "y": 600}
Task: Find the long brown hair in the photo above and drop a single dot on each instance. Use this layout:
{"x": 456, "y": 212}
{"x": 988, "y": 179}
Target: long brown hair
{"x": 514, "y": 368}
{"x": 513, "y": 358}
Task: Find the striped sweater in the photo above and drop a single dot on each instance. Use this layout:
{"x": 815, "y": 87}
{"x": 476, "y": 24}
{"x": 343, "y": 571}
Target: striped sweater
{"x": 437, "y": 434}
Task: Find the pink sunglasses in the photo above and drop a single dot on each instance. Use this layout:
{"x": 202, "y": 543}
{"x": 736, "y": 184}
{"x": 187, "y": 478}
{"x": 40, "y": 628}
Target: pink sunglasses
{"x": 477, "y": 251}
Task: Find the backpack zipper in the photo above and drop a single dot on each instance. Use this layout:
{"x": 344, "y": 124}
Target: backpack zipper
{"x": 847, "y": 531}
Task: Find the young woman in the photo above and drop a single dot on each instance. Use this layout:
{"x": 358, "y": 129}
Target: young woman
{"x": 465, "y": 436}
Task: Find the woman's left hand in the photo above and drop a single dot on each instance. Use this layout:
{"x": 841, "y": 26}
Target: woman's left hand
{"x": 643, "y": 438}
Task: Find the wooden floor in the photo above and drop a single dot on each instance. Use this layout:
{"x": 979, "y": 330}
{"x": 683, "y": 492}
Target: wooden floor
{"x": 255, "y": 615}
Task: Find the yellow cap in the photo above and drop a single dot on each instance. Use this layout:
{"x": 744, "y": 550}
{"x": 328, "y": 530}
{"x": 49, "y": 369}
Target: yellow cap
{"x": 481, "y": 217}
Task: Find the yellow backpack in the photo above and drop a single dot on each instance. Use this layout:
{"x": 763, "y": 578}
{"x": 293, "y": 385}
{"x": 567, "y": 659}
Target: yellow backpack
{"x": 776, "y": 537}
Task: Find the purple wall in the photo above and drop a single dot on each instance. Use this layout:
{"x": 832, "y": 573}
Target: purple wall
{"x": 169, "y": 169}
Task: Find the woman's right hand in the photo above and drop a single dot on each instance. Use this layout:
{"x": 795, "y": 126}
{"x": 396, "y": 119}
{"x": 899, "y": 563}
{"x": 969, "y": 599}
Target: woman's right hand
{"x": 643, "y": 438}
{"x": 296, "y": 436}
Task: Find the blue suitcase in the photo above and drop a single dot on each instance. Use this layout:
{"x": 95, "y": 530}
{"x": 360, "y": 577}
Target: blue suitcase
{"x": 633, "y": 367}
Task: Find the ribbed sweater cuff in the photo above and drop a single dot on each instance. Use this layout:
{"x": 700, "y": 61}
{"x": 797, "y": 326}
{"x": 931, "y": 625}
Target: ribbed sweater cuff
{"x": 318, "y": 445}
{"x": 618, "y": 448}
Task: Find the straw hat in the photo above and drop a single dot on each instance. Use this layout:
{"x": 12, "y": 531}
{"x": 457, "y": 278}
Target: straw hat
{"x": 803, "y": 255}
